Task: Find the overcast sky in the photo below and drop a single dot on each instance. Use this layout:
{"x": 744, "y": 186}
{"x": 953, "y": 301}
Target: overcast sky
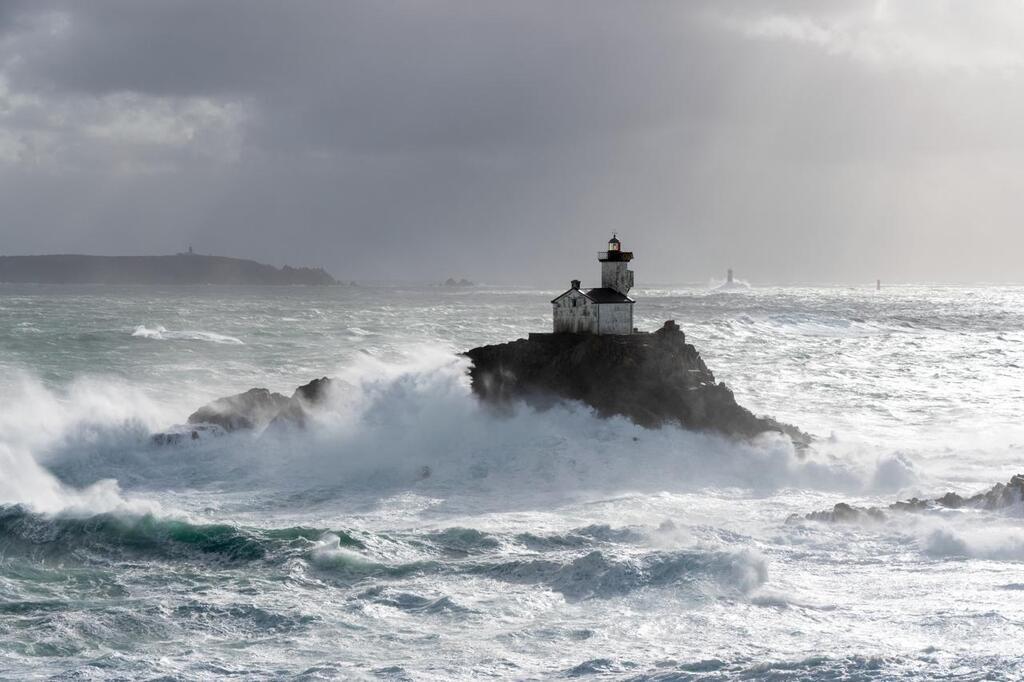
{"x": 795, "y": 141}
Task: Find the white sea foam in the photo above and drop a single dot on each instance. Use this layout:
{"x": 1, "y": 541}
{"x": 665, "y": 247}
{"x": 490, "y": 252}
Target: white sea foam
{"x": 160, "y": 333}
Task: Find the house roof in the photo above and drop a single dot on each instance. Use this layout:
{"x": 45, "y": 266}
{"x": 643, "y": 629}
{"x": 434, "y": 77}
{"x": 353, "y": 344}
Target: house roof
{"x": 604, "y": 295}
{"x": 600, "y": 295}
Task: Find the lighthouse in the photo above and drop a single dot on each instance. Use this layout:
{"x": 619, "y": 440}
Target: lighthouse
{"x": 603, "y": 310}
{"x": 615, "y": 272}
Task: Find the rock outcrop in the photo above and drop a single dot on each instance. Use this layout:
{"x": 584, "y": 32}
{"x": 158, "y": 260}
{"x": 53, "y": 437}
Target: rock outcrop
{"x": 255, "y": 410}
{"x": 653, "y": 379}
{"x": 305, "y": 397}
{"x": 999, "y": 496}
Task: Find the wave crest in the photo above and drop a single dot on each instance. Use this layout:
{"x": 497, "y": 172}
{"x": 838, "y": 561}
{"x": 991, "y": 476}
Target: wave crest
{"x": 160, "y": 333}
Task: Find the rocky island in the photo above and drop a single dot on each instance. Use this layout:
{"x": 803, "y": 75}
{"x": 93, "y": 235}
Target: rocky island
{"x": 596, "y": 356}
{"x": 182, "y": 268}
{"x": 653, "y": 379}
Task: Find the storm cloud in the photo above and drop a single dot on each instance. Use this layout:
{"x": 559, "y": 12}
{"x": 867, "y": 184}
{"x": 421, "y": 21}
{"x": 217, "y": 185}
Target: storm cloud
{"x": 793, "y": 141}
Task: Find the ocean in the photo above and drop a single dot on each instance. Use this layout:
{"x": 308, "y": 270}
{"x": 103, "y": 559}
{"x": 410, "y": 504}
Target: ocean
{"x": 412, "y": 533}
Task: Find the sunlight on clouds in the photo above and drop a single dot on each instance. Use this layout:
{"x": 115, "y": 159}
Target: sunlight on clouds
{"x": 135, "y": 119}
{"x": 126, "y": 131}
{"x": 933, "y": 36}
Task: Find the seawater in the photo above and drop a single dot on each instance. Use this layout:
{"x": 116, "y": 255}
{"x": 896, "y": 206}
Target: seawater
{"x": 411, "y": 533}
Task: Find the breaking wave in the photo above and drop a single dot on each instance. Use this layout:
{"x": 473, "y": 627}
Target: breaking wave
{"x": 124, "y": 536}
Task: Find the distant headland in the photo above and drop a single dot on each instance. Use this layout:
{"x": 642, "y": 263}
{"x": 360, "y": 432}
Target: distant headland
{"x": 182, "y": 268}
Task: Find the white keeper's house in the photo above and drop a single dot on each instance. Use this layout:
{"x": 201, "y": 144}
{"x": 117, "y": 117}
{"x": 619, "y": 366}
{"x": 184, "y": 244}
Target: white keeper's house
{"x": 606, "y": 310}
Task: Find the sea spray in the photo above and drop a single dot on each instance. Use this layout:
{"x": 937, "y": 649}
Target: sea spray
{"x": 24, "y": 481}
{"x": 416, "y": 425}
{"x": 91, "y": 419}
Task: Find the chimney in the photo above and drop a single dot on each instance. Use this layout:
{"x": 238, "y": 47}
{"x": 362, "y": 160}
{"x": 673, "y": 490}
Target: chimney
{"x": 575, "y": 284}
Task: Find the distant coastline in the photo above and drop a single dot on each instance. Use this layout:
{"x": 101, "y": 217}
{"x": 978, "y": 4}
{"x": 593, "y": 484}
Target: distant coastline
{"x": 182, "y": 268}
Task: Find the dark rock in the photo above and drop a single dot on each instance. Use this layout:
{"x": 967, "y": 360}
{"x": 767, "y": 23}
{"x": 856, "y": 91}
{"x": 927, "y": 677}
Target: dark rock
{"x": 951, "y": 500}
{"x": 999, "y": 496}
{"x": 296, "y": 412}
{"x": 253, "y": 409}
{"x": 653, "y": 379}
{"x": 845, "y": 513}
{"x": 314, "y": 392}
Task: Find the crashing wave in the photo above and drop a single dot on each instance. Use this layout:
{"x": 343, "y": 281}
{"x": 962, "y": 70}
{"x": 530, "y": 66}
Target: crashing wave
{"x": 107, "y": 537}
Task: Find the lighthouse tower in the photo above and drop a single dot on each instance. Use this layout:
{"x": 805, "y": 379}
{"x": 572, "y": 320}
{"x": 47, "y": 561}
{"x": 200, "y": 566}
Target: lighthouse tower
{"x": 615, "y": 272}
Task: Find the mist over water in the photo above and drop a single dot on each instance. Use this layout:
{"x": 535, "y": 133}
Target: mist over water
{"x": 410, "y": 532}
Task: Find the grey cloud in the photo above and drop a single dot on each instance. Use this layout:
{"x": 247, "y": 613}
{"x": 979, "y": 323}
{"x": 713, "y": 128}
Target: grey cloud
{"x": 494, "y": 140}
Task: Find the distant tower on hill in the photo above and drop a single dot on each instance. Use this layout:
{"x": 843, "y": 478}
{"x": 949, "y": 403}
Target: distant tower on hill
{"x": 607, "y": 310}
{"x": 190, "y": 249}
{"x": 728, "y": 276}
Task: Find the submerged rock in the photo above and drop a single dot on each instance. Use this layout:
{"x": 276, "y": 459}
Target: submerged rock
{"x": 653, "y": 379}
{"x": 999, "y": 496}
{"x": 179, "y": 435}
